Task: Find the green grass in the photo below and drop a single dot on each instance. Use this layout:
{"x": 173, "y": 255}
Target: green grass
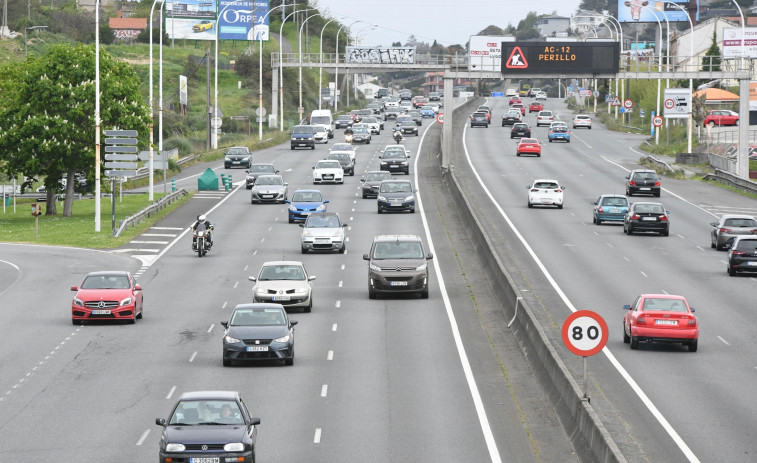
{"x": 79, "y": 230}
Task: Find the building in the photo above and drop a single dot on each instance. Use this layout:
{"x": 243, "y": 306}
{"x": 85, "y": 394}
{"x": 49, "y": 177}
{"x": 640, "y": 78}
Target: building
{"x": 435, "y": 82}
{"x": 127, "y": 29}
{"x": 589, "y": 23}
{"x": 549, "y": 26}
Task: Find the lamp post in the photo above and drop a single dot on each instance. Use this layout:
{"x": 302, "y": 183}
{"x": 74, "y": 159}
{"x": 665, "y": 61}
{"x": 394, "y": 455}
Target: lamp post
{"x": 260, "y": 69}
{"x": 336, "y": 72}
{"x": 691, "y": 81}
{"x": 214, "y": 137}
{"x": 659, "y": 70}
{"x": 300, "y": 109}
{"x": 356, "y": 41}
{"x": 320, "y": 69}
{"x": 743, "y": 34}
{"x": 152, "y": 10}
{"x": 281, "y": 68}
{"x": 30, "y": 28}
{"x": 97, "y": 115}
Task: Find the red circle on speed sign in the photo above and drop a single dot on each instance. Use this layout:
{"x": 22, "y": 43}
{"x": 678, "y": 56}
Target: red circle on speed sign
{"x": 628, "y": 104}
{"x": 670, "y": 104}
{"x": 440, "y": 118}
{"x": 657, "y": 121}
{"x": 584, "y": 333}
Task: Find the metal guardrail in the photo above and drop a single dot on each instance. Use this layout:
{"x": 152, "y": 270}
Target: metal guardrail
{"x": 144, "y": 172}
{"x": 658, "y": 162}
{"x": 732, "y": 180}
{"x": 148, "y": 211}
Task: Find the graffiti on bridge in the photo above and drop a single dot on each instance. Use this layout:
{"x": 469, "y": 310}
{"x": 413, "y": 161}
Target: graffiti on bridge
{"x": 376, "y": 55}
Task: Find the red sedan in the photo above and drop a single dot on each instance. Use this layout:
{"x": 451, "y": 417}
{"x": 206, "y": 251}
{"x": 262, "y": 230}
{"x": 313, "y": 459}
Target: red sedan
{"x": 107, "y": 296}
{"x": 528, "y": 146}
{"x": 535, "y": 107}
{"x": 660, "y": 318}
{"x": 721, "y": 117}
{"x": 515, "y": 99}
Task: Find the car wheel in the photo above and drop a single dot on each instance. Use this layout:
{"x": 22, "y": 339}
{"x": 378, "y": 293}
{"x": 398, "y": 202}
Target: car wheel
{"x": 736, "y": 123}
{"x": 141, "y": 313}
{"x": 132, "y": 320}
{"x": 291, "y": 220}
{"x": 292, "y": 147}
{"x": 559, "y": 206}
{"x": 634, "y": 342}
{"x": 665, "y": 233}
{"x": 657, "y": 195}
{"x": 629, "y": 232}
{"x": 550, "y": 140}
{"x": 288, "y": 362}
{"x": 371, "y": 293}
{"x": 530, "y": 205}
{"x": 626, "y": 337}
{"x": 226, "y": 362}
{"x": 693, "y": 345}
{"x": 567, "y": 141}
{"x": 309, "y": 308}
{"x": 368, "y": 142}
{"x": 380, "y": 211}
{"x": 714, "y": 246}
{"x": 304, "y": 250}
{"x": 424, "y": 294}
{"x": 343, "y": 248}
{"x": 628, "y": 192}
{"x": 517, "y": 154}
{"x": 365, "y": 197}
{"x": 412, "y": 211}
{"x": 731, "y": 271}
{"x": 312, "y": 147}
{"x": 589, "y": 127}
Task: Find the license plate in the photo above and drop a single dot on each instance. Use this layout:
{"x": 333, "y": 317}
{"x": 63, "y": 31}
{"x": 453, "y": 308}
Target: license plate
{"x": 101, "y": 312}
{"x": 398, "y": 283}
{"x": 205, "y": 460}
{"x": 393, "y": 167}
{"x": 614, "y": 211}
{"x": 281, "y": 298}
{"x": 546, "y": 201}
{"x": 322, "y": 241}
{"x": 303, "y": 144}
{"x": 396, "y": 204}
{"x": 644, "y": 189}
{"x": 235, "y": 162}
{"x": 666, "y": 322}
{"x": 751, "y": 263}
{"x": 649, "y": 219}
{"x": 257, "y": 348}
{"x": 267, "y": 196}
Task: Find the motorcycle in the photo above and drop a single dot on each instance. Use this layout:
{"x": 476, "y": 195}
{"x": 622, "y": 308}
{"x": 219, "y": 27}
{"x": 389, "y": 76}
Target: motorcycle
{"x": 398, "y": 136}
{"x": 201, "y": 242}
{"x": 348, "y": 138}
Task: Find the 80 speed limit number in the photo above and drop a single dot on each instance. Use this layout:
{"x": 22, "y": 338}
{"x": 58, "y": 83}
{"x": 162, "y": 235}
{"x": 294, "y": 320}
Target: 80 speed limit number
{"x": 584, "y": 333}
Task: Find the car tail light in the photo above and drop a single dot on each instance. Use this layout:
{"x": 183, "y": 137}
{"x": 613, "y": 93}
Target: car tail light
{"x": 641, "y": 321}
{"x": 692, "y": 322}
{"x": 599, "y": 209}
{"x": 558, "y": 191}
{"x": 664, "y": 218}
{"x": 536, "y": 189}
{"x": 753, "y": 231}
{"x": 631, "y": 182}
{"x": 635, "y": 217}
{"x": 728, "y": 230}
{"x": 657, "y": 183}
{"x": 737, "y": 253}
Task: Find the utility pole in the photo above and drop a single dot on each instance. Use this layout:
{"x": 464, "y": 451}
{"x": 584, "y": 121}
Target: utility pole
{"x": 208, "y": 109}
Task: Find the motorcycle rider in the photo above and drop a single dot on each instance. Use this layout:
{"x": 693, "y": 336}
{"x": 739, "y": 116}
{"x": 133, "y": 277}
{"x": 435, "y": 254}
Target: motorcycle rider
{"x": 348, "y": 134}
{"x": 397, "y": 135}
{"x": 202, "y": 224}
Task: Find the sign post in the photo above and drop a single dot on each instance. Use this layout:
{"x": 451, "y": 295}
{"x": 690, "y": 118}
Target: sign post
{"x": 585, "y": 333}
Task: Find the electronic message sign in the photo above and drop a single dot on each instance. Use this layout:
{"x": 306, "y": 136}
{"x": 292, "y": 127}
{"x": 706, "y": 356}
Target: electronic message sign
{"x": 560, "y": 58}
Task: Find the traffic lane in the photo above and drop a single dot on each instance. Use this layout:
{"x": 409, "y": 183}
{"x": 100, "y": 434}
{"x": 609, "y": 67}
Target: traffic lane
{"x": 586, "y": 272}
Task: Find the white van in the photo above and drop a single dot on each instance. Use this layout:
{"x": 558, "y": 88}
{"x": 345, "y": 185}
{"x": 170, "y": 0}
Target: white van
{"x": 323, "y": 117}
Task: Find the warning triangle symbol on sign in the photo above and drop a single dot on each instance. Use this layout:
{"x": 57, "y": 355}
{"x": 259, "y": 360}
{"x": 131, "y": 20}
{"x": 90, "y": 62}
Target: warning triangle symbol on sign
{"x": 517, "y": 60}
{"x": 616, "y": 102}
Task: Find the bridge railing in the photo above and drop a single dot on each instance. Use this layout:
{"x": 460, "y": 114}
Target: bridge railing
{"x": 290, "y": 59}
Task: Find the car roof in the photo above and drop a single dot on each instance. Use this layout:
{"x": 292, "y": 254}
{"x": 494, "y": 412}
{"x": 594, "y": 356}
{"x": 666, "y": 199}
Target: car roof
{"x": 308, "y": 191}
{"x": 269, "y": 176}
{"x": 736, "y": 216}
{"x": 259, "y": 305}
{"x": 282, "y": 262}
{"x": 324, "y": 213}
{"x": 642, "y": 170}
{"x": 109, "y": 273}
{"x": 743, "y": 238}
{"x": 647, "y": 203}
{"x": 613, "y": 195}
{"x": 662, "y": 296}
{"x": 529, "y": 140}
{"x": 206, "y": 395}
{"x": 396, "y": 237}
{"x": 545, "y": 180}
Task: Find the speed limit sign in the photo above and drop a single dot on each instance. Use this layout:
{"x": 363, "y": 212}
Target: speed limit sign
{"x": 670, "y": 103}
{"x": 584, "y": 333}
{"x": 440, "y": 118}
{"x": 657, "y": 121}
{"x": 628, "y": 104}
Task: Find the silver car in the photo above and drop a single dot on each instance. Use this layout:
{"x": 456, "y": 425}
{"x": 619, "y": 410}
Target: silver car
{"x": 728, "y": 227}
{"x": 323, "y": 231}
{"x": 269, "y": 188}
{"x": 283, "y": 282}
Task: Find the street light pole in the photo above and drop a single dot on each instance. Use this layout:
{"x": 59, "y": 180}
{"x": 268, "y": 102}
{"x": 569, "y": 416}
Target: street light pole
{"x": 300, "y": 109}
{"x": 260, "y": 68}
{"x": 691, "y": 81}
{"x": 281, "y": 61}
{"x": 152, "y": 123}
{"x": 97, "y": 116}
{"x": 320, "y": 68}
{"x": 336, "y": 72}
{"x": 659, "y": 70}
{"x": 356, "y": 41}
{"x": 214, "y": 136}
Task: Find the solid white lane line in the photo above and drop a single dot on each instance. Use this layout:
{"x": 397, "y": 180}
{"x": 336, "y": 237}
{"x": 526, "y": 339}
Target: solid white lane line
{"x": 324, "y": 390}
{"x": 724, "y": 341}
{"x": 330, "y": 355}
{"x": 192, "y": 358}
{"x": 210, "y": 328}
{"x": 478, "y": 403}
{"x": 143, "y": 437}
{"x": 317, "y": 437}
{"x": 623, "y": 372}
{"x": 170, "y": 393}
{"x": 333, "y": 327}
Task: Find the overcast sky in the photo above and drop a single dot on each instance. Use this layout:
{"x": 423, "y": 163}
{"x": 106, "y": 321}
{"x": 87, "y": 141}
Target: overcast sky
{"x": 446, "y": 21}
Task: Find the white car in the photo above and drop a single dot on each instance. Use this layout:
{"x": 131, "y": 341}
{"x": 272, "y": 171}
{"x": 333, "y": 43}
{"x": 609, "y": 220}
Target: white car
{"x": 321, "y": 133}
{"x": 328, "y": 171}
{"x": 582, "y": 120}
{"x": 545, "y": 192}
{"x": 511, "y": 92}
{"x": 373, "y": 124}
{"x": 544, "y": 118}
{"x": 392, "y": 104}
{"x": 283, "y": 282}
{"x": 541, "y": 96}
{"x": 344, "y": 148}
{"x": 436, "y": 107}
{"x": 323, "y": 231}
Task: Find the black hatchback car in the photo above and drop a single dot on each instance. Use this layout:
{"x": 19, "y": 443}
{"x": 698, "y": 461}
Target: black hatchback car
{"x": 395, "y": 161}
{"x": 346, "y": 161}
{"x": 237, "y": 156}
{"x": 742, "y": 256}
{"x": 258, "y": 331}
{"x": 407, "y": 127}
{"x": 520, "y": 129}
{"x": 646, "y": 217}
{"x": 396, "y": 196}
{"x": 479, "y": 119}
{"x": 208, "y": 426}
{"x": 371, "y": 181}
{"x": 643, "y": 182}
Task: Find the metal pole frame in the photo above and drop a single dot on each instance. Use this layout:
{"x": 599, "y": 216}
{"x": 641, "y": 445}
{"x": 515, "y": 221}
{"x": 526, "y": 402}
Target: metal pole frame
{"x": 151, "y": 103}
{"x": 281, "y": 68}
{"x": 691, "y": 81}
{"x": 336, "y": 72}
{"x": 300, "y": 109}
{"x": 260, "y": 69}
{"x": 97, "y": 116}
{"x": 320, "y": 68}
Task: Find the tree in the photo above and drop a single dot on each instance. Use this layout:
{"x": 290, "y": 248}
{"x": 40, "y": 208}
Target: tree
{"x": 47, "y": 128}
{"x": 711, "y": 60}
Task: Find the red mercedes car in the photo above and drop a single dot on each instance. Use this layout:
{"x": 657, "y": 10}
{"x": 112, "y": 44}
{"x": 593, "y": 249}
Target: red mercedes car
{"x": 663, "y": 318}
{"x": 535, "y": 107}
{"x": 107, "y": 296}
{"x": 528, "y": 146}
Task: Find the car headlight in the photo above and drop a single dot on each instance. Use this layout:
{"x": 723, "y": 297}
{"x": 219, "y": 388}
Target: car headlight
{"x": 374, "y": 267}
{"x": 404, "y": 163}
{"x": 254, "y": 191}
{"x": 175, "y": 447}
{"x": 307, "y": 234}
{"x": 260, "y": 290}
{"x": 410, "y": 198}
{"x": 381, "y": 198}
{"x": 294, "y": 139}
{"x": 304, "y": 289}
{"x": 383, "y": 163}
{"x": 234, "y": 447}
{"x": 126, "y": 301}
{"x": 282, "y": 339}
{"x": 229, "y": 340}
{"x": 292, "y": 208}
{"x": 78, "y": 301}
{"x": 421, "y": 267}
{"x": 321, "y": 207}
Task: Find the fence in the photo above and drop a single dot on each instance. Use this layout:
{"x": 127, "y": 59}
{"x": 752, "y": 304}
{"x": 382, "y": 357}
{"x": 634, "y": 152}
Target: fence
{"x": 141, "y": 216}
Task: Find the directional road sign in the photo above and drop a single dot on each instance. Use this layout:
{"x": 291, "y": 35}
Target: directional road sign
{"x": 156, "y": 156}
{"x": 120, "y": 165}
{"x": 120, "y": 173}
{"x": 120, "y": 133}
{"x": 120, "y": 157}
{"x": 120, "y": 149}
{"x": 120, "y": 141}
{"x": 585, "y": 333}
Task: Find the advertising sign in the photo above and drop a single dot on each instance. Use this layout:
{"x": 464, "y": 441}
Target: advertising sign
{"x": 643, "y": 11}
{"x": 732, "y": 42}
{"x": 192, "y": 29}
{"x": 676, "y": 103}
{"x": 560, "y": 57}
{"x": 380, "y": 55}
{"x": 191, "y": 9}
{"x": 486, "y": 52}
{"x": 242, "y": 20}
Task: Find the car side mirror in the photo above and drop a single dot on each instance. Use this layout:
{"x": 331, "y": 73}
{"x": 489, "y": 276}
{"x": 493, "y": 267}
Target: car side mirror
{"x": 254, "y": 421}
{"x": 313, "y": 167}
{"x": 249, "y": 171}
{"x": 275, "y": 172}
{"x": 408, "y": 155}
{"x": 137, "y": 287}
{"x": 160, "y": 422}
{"x": 225, "y": 324}
{"x": 252, "y": 278}
{"x": 626, "y": 307}
{"x": 302, "y": 225}
{"x": 345, "y": 225}
{"x": 528, "y": 187}
{"x": 366, "y": 257}
{"x": 627, "y": 177}
{"x": 74, "y": 288}
{"x": 562, "y": 187}
{"x": 362, "y": 179}
{"x": 326, "y": 202}
{"x": 429, "y": 256}
{"x": 311, "y": 278}
{"x": 713, "y": 224}
{"x": 692, "y": 309}
{"x": 595, "y": 203}
{"x": 286, "y": 184}
{"x": 288, "y": 201}
{"x": 292, "y": 322}
{"x": 667, "y": 212}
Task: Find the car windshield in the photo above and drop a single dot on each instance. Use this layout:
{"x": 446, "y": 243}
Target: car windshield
{"x": 546, "y": 185}
{"x": 281, "y": 272}
{"x": 377, "y": 177}
{"x": 323, "y": 120}
{"x": 520, "y": 126}
{"x": 747, "y": 245}
{"x": 398, "y": 250}
{"x": 545, "y": 114}
{"x": 394, "y": 155}
{"x": 340, "y": 156}
{"x": 322, "y": 221}
{"x": 370, "y": 120}
{"x": 360, "y": 130}
{"x": 206, "y": 412}
{"x": 257, "y": 317}
{"x": 344, "y": 117}
{"x": 396, "y": 187}
{"x": 650, "y": 208}
{"x": 740, "y": 223}
{"x": 307, "y": 197}
{"x": 616, "y": 202}
{"x": 664, "y": 305}
{"x": 529, "y": 141}
{"x": 106, "y": 282}
{"x": 342, "y": 147}
{"x": 328, "y": 165}
{"x": 408, "y": 124}
{"x": 645, "y": 176}
{"x": 262, "y": 168}
{"x": 303, "y": 130}
{"x": 237, "y": 151}
{"x": 272, "y": 180}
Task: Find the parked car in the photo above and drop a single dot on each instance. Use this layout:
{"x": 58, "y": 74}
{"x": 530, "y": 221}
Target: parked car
{"x": 258, "y": 332}
{"x": 742, "y": 255}
{"x": 642, "y": 181}
{"x": 721, "y": 117}
{"x": 610, "y": 208}
{"x": 545, "y": 192}
{"x": 397, "y": 264}
{"x": 728, "y": 227}
{"x": 107, "y": 296}
{"x": 646, "y": 217}
{"x": 323, "y": 231}
{"x": 663, "y": 318}
{"x": 208, "y": 426}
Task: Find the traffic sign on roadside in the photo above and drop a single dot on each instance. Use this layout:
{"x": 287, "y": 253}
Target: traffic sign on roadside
{"x": 120, "y": 165}
{"x": 156, "y": 156}
{"x": 120, "y": 157}
{"x": 657, "y": 121}
{"x": 584, "y": 333}
{"x": 440, "y": 118}
{"x": 628, "y": 104}
{"x": 615, "y": 102}
{"x": 120, "y": 173}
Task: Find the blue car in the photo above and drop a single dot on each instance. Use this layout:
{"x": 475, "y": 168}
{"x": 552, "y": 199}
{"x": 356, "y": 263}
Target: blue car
{"x": 304, "y": 202}
{"x": 559, "y": 131}
{"x": 427, "y": 111}
{"x": 610, "y": 208}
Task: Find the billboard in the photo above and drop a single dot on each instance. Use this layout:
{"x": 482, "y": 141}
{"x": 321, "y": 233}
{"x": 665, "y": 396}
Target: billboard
{"x": 643, "y": 11}
{"x": 485, "y": 51}
{"x": 205, "y": 9}
{"x": 192, "y": 29}
{"x": 244, "y": 20}
{"x": 380, "y": 55}
{"x": 560, "y": 57}
{"x": 677, "y": 103}
{"x": 732, "y": 42}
